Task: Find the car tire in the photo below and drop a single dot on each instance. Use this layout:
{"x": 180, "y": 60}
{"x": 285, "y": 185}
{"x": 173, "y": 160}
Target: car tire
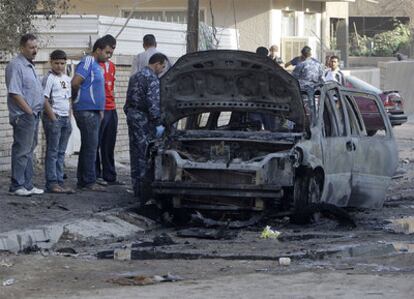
{"x": 371, "y": 132}
{"x": 307, "y": 189}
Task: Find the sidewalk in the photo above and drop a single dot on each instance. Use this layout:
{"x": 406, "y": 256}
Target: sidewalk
{"x": 41, "y": 218}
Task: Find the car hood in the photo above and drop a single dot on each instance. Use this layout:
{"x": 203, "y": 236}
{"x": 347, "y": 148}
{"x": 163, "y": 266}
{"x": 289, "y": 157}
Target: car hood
{"x": 228, "y": 80}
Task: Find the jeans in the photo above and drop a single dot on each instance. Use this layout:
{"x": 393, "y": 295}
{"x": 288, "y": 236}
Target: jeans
{"x": 105, "y": 161}
{"x": 88, "y": 122}
{"x": 25, "y": 130}
{"x": 57, "y": 136}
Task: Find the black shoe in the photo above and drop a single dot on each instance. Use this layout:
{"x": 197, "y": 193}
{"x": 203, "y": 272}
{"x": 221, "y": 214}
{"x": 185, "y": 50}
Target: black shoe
{"x": 116, "y": 183}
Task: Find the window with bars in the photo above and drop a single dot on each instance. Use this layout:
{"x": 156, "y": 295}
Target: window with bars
{"x": 172, "y": 16}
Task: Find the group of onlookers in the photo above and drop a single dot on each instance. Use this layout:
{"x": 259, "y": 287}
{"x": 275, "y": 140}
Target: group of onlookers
{"x": 89, "y": 96}
{"x": 308, "y": 70}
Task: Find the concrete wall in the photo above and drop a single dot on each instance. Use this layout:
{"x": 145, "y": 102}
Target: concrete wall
{"x": 6, "y": 133}
{"x": 367, "y": 61}
{"x": 398, "y": 75}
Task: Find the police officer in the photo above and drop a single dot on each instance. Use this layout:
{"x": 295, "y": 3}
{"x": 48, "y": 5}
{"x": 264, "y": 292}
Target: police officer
{"x": 309, "y": 72}
{"x": 142, "y": 109}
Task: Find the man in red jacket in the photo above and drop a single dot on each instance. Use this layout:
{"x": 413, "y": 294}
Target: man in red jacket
{"x": 105, "y": 161}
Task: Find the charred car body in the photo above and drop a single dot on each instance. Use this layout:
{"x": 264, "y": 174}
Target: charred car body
{"x": 240, "y": 135}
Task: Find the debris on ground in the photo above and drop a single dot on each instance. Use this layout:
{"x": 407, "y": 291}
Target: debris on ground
{"x": 402, "y": 226}
{"x": 142, "y": 280}
{"x": 284, "y": 261}
{"x": 313, "y": 211}
{"x": 8, "y": 282}
{"x": 30, "y": 249}
{"x": 67, "y": 251}
{"x": 122, "y": 254}
{"x": 163, "y": 239}
{"x": 208, "y": 233}
{"x": 6, "y": 263}
{"x": 200, "y": 220}
{"x": 269, "y": 233}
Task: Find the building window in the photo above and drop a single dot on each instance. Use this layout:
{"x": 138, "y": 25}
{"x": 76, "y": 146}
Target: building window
{"x": 288, "y": 23}
{"x": 310, "y": 24}
{"x": 172, "y": 16}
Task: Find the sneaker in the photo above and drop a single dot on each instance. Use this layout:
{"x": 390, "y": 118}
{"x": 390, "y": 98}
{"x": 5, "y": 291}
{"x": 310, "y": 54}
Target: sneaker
{"x": 116, "y": 183}
{"x": 101, "y": 182}
{"x": 36, "y": 191}
{"x": 21, "y": 192}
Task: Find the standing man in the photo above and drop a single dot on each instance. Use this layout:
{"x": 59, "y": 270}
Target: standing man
{"x": 88, "y": 92}
{"x": 273, "y": 54}
{"x": 142, "y": 109}
{"x": 334, "y": 73}
{"x": 105, "y": 160}
{"x": 309, "y": 72}
{"x": 25, "y": 102}
{"x": 142, "y": 59}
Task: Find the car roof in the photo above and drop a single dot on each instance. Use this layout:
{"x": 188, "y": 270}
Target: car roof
{"x": 362, "y": 85}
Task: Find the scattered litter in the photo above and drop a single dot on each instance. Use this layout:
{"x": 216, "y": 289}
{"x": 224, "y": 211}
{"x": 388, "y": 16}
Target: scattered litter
{"x": 122, "y": 254}
{"x": 30, "y": 249}
{"x": 141, "y": 280}
{"x": 313, "y": 211}
{"x": 66, "y": 251}
{"x": 168, "y": 278}
{"x": 263, "y": 270}
{"x": 268, "y": 233}
{"x": 284, "y": 261}
{"x": 6, "y": 263}
{"x": 199, "y": 219}
{"x": 8, "y": 282}
{"x": 208, "y": 233}
{"x": 163, "y": 239}
{"x": 403, "y": 226}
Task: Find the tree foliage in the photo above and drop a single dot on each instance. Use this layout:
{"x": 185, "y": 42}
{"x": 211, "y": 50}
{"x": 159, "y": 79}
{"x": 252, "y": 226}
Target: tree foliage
{"x": 382, "y": 44}
{"x": 16, "y": 18}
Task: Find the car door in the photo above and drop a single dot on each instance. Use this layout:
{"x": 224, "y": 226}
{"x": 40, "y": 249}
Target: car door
{"x": 337, "y": 147}
{"x": 375, "y": 157}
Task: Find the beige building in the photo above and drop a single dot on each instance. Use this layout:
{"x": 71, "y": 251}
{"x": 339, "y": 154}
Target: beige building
{"x": 290, "y": 24}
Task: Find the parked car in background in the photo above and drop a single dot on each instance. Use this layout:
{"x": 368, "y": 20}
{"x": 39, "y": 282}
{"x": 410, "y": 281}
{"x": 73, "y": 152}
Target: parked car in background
{"x": 217, "y": 156}
{"x": 392, "y": 100}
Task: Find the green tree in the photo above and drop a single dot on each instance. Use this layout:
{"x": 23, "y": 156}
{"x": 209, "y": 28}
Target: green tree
{"x": 16, "y": 18}
{"x": 401, "y": 8}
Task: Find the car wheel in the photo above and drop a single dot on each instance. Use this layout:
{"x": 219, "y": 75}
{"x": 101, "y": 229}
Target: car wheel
{"x": 307, "y": 189}
{"x": 371, "y": 132}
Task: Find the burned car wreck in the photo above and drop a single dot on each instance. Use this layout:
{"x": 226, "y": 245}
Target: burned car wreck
{"x": 241, "y": 136}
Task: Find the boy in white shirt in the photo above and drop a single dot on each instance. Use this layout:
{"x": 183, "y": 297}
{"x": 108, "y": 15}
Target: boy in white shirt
{"x": 56, "y": 121}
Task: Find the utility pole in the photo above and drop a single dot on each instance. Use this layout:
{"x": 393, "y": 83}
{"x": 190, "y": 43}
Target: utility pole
{"x": 192, "y": 26}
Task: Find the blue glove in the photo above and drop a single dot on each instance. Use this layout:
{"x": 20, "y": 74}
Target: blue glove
{"x": 159, "y": 131}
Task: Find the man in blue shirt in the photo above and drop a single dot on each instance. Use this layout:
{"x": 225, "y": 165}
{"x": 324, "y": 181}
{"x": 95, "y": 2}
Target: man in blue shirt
{"x": 142, "y": 109}
{"x": 25, "y": 102}
{"x": 88, "y": 94}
